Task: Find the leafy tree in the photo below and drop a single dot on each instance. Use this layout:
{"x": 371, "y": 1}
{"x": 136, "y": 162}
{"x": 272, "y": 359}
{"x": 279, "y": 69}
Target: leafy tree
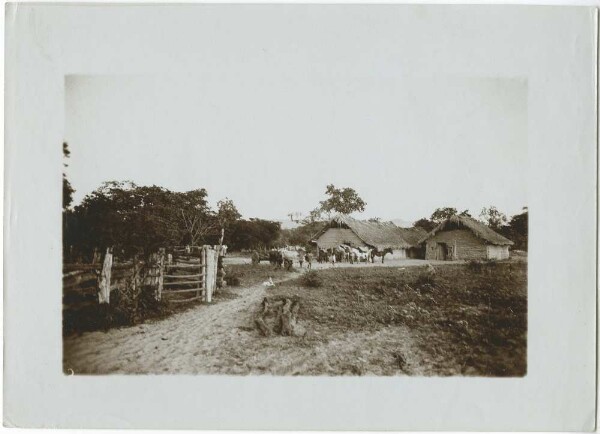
{"x": 424, "y": 223}
{"x": 441, "y": 214}
{"x": 438, "y": 216}
{"x": 493, "y": 218}
{"x": 198, "y": 221}
{"x": 341, "y": 200}
{"x": 253, "y": 234}
{"x": 300, "y": 236}
{"x": 517, "y": 230}
{"x": 227, "y": 213}
{"x": 68, "y": 189}
{"x": 135, "y": 218}
{"x": 315, "y": 215}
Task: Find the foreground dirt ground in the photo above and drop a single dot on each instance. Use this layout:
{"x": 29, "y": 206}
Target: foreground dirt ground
{"x": 355, "y": 326}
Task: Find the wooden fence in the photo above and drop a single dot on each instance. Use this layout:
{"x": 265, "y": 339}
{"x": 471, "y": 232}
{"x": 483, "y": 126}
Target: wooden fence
{"x": 196, "y": 271}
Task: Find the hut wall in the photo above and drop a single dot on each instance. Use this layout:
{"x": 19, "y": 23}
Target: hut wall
{"x": 396, "y": 254}
{"x": 333, "y": 237}
{"x": 497, "y": 252}
{"x": 415, "y": 252}
{"x": 468, "y": 246}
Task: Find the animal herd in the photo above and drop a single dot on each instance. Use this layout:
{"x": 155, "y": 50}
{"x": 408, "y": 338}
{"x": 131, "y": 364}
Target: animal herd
{"x": 346, "y": 253}
{"x": 287, "y": 256}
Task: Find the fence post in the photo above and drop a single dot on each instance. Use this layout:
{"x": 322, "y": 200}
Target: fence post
{"x": 96, "y": 256}
{"x": 210, "y": 273}
{"x": 203, "y": 269}
{"x": 104, "y": 284}
{"x": 220, "y": 268}
{"x": 161, "y": 273}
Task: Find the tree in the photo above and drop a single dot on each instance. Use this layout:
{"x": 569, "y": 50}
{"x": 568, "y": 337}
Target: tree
{"x": 68, "y": 189}
{"x": 441, "y": 214}
{"x": 465, "y": 213}
{"x": 253, "y": 234}
{"x": 137, "y": 219}
{"x": 300, "y": 236}
{"x": 315, "y": 215}
{"x": 424, "y": 223}
{"x": 493, "y": 218}
{"x": 517, "y": 230}
{"x": 341, "y": 200}
{"x": 227, "y": 213}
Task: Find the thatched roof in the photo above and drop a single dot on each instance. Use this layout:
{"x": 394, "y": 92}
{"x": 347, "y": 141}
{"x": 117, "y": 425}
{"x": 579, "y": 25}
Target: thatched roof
{"x": 413, "y": 235}
{"x": 382, "y": 235}
{"x": 479, "y": 229}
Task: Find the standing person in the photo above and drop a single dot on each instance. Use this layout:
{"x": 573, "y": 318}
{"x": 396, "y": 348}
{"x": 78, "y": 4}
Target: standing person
{"x": 301, "y": 258}
{"x": 333, "y": 259}
{"x": 309, "y": 259}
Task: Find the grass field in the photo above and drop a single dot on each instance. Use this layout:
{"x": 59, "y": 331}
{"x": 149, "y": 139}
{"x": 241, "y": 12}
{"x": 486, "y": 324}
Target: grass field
{"x": 464, "y": 320}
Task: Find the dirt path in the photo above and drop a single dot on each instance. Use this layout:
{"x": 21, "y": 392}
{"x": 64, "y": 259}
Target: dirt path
{"x": 221, "y": 339}
{"x": 189, "y": 342}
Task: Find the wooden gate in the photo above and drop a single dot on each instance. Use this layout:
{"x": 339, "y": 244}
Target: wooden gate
{"x": 188, "y": 270}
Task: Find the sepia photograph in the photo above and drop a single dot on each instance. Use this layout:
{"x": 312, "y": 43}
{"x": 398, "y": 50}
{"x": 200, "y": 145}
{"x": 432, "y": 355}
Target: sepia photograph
{"x": 320, "y": 217}
{"x": 295, "y": 225}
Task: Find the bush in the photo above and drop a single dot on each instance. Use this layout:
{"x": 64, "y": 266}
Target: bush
{"x": 232, "y": 279}
{"x": 311, "y": 279}
{"x": 474, "y": 265}
{"x": 84, "y": 314}
{"x": 425, "y": 279}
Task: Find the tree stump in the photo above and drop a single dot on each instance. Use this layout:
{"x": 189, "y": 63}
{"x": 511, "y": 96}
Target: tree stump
{"x": 280, "y": 318}
{"x": 260, "y": 319}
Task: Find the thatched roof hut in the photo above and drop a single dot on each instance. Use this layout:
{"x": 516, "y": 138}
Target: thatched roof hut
{"x": 379, "y": 235}
{"x": 479, "y": 229}
{"x": 461, "y": 237}
{"x": 413, "y": 235}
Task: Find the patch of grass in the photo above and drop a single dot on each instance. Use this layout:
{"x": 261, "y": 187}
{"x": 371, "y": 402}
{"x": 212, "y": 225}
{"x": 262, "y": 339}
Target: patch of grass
{"x": 425, "y": 278}
{"x": 475, "y": 266}
{"x": 250, "y": 275}
{"x": 311, "y": 279}
{"x": 462, "y": 322}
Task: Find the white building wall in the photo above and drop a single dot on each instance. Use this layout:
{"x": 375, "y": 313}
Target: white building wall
{"x": 497, "y": 252}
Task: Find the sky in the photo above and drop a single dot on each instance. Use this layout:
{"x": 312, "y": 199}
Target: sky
{"x": 272, "y": 139}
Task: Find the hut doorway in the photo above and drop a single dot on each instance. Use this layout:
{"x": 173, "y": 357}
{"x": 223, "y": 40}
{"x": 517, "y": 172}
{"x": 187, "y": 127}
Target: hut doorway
{"x": 442, "y": 250}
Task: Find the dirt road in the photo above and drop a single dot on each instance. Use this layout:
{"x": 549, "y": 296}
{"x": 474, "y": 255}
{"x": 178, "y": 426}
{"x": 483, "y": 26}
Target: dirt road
{"x": 221, "y": 338}
{"x": 193, "y": 341}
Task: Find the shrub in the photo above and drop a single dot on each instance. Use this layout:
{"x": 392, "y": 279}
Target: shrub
{"x": 312, "y": 279}
{"x": 474, "y": 265}
{"x": 232, "y": 279}
{"x": 425, "y": 279}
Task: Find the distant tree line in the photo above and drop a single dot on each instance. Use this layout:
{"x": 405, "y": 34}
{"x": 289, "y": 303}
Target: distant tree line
{"x": 141, "y": 219}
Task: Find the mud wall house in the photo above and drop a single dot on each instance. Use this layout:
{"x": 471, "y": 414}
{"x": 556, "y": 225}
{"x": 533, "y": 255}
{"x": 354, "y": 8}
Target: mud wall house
{"x": 463, "y": 238}
{"x": 381, "y": 236}
{"x": 414, "y": 236}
